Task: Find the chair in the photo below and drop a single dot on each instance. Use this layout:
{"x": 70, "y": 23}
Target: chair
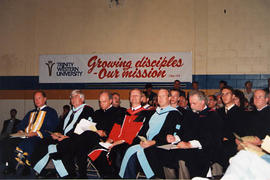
{"x": 140, "y": 175}
{"x": 92, "y": 170}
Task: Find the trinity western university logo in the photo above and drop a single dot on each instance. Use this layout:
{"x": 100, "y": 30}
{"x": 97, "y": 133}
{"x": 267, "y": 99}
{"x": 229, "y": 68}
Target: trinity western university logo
{"x": 50, "y": 66}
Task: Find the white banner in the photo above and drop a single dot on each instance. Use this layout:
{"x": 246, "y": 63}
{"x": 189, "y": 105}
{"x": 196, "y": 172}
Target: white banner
{"x": 107, "y": 68}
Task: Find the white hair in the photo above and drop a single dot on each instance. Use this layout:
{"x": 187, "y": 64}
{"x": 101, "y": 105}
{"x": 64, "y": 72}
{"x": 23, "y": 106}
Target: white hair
{"x": 77, "y": 91}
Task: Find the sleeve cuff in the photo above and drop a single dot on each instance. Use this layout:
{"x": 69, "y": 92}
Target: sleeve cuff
{"x": 40, "y": 134}
{"x": 177, "y": 139}
{"x": 195, "y": 144}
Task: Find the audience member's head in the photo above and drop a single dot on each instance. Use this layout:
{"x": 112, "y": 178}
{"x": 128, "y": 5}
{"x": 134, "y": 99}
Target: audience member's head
{"x": 222, "y": 84}
{"x": 154, "y": 102}
{"x": 183, "y": 102}
{"x": 66, "y": 109}
{"x": 164, "y": 97}
{"x": 195, "y": 85}
{"x": 13, "y": 113}
{"x": 105, "y": 100}
{"x": 145, "y": 99}
{"x": 116, "y": 99}
{"x": 239, "y": 99}
{"x": 197, "y": 100}
{"x": 219, "y": 101}
{"x": 135, "y": 97}
{"x": 260, "y": 98}
{"x": 177, "y": 84}
{"x": 175, "y": 94}
{"x": 248, "y": 85}
{"x": 40, "y": 99}
{"x": 212, "y": 102}
{"x": 77, "y": 98}
{"x": 148, "y": 88}
{"x": 227, "y": 95}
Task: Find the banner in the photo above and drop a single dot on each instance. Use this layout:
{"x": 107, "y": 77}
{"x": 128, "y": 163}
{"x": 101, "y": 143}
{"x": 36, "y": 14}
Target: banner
{"x": 108, "y": 68}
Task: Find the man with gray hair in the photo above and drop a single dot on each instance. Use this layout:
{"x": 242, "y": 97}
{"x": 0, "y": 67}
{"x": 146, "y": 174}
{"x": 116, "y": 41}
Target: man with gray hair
{"x": 259, "y": 122}
{"x": 80, "y": 146}
{"x": 199, "y": 138}
{"x": 53, "y": 146}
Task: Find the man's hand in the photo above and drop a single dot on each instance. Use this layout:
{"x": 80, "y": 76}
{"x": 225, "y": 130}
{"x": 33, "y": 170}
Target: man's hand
{"x": 253, "y": 148}
{"x": 146, "y": 144}
{"x": 101, "y": 133}
{"x": 254, "y": 140}
{"x": 62, "y": 137}
{"x": 184, "y": 145}
{"x": 116, "y": 143}
{"x": 31, "y": 134}
{"x": 56, "y": 135}
{"x": 170, "y": 138}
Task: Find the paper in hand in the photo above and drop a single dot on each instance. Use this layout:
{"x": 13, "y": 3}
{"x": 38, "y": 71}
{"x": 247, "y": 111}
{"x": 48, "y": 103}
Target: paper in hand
{"x": 18, "y": 135}
{"x": 105, "y": 144}
{"x": 266, "y": 144}
{"x": 85, "y": 125}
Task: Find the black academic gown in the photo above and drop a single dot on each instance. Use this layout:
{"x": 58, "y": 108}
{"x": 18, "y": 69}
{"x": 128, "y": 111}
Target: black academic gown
{"x": 172, "y": 125}
{"x": 235, "y": 121}
{"x": 204, "y": 127}
{"x": 88, "y": 140}
{"x": 259, "y": 123}
{"x": 63, "y": 146}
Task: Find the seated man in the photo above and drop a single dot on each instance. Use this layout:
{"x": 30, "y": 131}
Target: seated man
{"x": 63, "y": 135}
{"x": 34, "y": 126}
{"x": 80, "y": 146}
{"x": 165, "y": 120}
{"x": 253, "y": 162}
{"x": 259, "y": 121}
{"x": 10, "y": 125}
{"x": 200, "y": 136}
{"x": 120, "y": 138}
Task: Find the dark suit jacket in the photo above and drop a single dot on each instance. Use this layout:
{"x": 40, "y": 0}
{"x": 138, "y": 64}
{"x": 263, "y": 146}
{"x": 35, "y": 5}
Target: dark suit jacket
{"x": 14, "y": 128}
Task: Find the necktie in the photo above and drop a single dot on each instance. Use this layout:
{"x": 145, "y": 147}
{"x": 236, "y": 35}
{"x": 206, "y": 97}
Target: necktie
{"x": 36, "y": 115}
{"x": 226, "y": 110}
{"x": 71, "y": 118}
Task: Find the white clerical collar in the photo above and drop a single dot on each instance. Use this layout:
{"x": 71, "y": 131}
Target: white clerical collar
{"x": 77, "y": 108}
{"x": 262, "y": 108}
{"x": 205, "y": 107}
{"x": 136, "y": 108}
{"x": 42, "y": 107}
{"x": 230, "y": 107}
{"x": 108, "y": 108}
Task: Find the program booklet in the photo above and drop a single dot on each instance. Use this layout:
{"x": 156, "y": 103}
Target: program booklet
{"x": 18, "y": 135}
{"x": 85, "y": 125}
{"x": 266, "y": 144}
